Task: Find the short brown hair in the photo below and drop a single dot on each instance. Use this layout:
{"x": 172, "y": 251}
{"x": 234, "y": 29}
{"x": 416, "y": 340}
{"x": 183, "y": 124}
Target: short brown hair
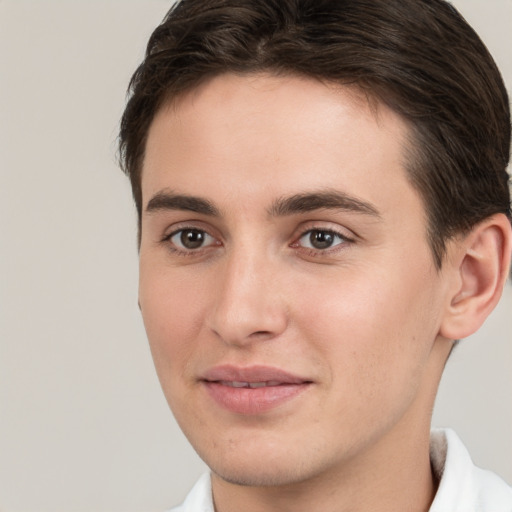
{"x": 419, "y": 57}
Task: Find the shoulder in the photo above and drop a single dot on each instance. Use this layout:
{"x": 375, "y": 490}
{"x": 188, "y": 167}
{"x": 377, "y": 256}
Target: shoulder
{"x": 462, "y": 485}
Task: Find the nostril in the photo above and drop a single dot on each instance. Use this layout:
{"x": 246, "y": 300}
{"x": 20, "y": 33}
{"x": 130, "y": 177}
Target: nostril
{"x": 261, "y": 334}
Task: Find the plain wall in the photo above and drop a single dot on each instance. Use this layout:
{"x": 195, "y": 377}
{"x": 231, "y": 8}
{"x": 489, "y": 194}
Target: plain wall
{"x": 83, "y": 422}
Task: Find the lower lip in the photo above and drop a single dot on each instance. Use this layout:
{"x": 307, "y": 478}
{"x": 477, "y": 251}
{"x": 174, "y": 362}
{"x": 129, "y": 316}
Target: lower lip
{"x": 253, "y": 401}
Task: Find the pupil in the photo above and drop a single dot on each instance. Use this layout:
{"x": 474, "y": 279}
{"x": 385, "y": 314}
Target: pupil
{"x": 321, "y": 239}
{"x": 192, "y": 239}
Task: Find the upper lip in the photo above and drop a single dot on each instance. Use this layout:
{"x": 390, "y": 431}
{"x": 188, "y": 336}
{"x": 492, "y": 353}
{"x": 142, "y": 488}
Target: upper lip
{"x": 256, "y": 373}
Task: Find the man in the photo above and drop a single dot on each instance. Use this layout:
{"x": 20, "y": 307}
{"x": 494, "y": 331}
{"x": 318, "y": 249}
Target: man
{"x": 324, "y": 210}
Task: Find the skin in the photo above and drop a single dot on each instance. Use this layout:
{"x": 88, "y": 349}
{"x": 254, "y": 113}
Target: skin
{"x": 362, "y": 320}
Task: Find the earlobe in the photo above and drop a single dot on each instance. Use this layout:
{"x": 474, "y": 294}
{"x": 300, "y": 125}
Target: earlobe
{"x": 481, "y": 265}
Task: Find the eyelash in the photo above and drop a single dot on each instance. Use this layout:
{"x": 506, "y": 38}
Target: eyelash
{"x": 167, "y": 239}
{"x": 343, "y": 240}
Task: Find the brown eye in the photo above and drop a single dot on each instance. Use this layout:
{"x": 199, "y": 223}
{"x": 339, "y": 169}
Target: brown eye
{"x": 191, "y": 239}
{"x": 320, "y": 239}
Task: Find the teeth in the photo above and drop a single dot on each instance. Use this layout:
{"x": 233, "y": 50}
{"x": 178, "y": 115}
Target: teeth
{"x": 236, "y": 384}
{"x": 258, "y": 384}
{"x": 252, "y": 385}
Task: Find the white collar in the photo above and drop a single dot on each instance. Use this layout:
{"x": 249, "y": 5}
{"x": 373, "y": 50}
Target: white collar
{"x": 464, "y": 487}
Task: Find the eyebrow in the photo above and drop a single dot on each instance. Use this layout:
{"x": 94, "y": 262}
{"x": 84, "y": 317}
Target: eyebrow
{"x": 329, "y": 199}
{"x": 296, "y": 204}
{"x": 169, "y": 201}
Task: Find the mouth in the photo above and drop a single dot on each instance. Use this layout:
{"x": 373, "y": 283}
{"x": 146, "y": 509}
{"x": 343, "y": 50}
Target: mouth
{"x": 252, "y": 390}
{"x": 252, "y": 385}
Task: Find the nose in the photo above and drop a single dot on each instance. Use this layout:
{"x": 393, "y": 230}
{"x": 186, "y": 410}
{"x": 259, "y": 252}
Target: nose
{"x": 249, "y": 305}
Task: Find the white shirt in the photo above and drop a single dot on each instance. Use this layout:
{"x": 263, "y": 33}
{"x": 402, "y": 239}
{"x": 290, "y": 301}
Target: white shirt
{"x": 462, "y": 486}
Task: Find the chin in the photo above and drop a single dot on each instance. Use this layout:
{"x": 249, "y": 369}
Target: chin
{"x": 268, "y": 467}
{"x": 263, "y": 475}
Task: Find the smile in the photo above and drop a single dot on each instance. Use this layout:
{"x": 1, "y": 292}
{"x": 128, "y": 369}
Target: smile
{"x": 253, "y": 390}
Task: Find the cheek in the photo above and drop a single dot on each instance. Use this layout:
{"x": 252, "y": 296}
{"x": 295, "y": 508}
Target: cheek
{"x": 375, "y": 334}
{"x": 172, "y": 310}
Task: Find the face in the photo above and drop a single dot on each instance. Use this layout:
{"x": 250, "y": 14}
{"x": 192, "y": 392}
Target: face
{"x": 286, "y": 283}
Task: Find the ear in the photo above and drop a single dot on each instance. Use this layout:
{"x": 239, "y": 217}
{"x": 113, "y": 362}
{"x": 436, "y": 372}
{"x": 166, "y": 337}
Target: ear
{"x": 479, "y": 266}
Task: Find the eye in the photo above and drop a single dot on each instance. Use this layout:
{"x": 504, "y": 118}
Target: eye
{"x": 320, "y": 239}
{"x": 191, "y": 239}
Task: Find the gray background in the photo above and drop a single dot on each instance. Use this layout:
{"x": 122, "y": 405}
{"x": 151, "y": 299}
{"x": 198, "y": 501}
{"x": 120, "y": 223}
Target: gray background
{"x": 83, "y": 423}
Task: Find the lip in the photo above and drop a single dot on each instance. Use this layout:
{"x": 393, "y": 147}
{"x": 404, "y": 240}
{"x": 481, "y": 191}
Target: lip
{"x": 252, "y": 390}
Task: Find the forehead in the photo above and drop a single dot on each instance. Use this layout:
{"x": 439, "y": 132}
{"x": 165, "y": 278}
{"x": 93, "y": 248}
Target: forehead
{"x": 275, "y": 135}
{"x": 271, "y": 98}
